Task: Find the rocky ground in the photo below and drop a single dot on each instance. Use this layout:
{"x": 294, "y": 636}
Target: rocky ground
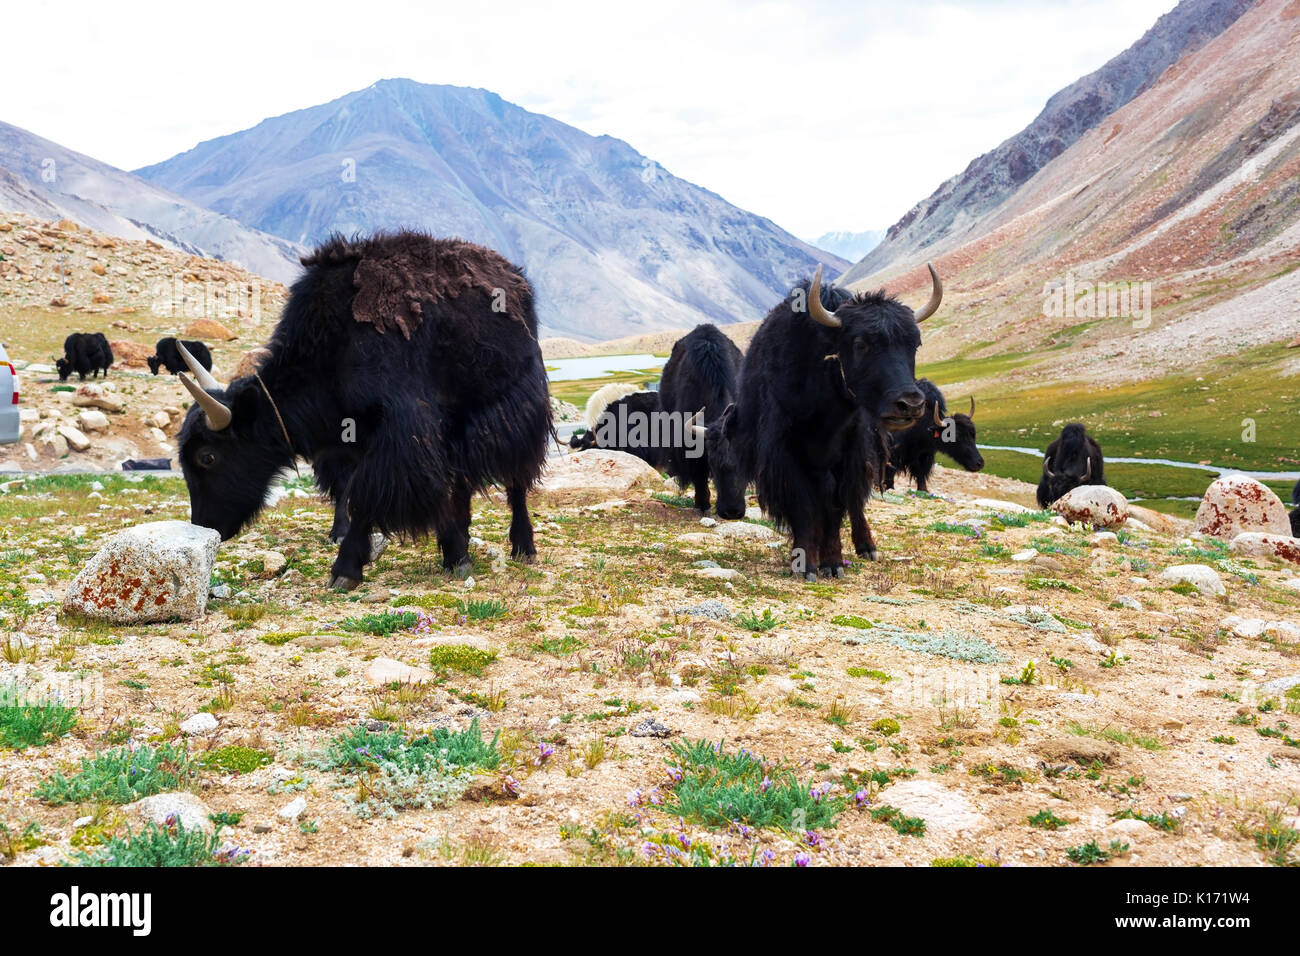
{"x": 1000, "y": 687}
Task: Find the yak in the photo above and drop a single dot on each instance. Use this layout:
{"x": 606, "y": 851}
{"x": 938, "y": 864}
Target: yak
{"x": 1073, "y": 459}
{"x": 168, "y": 356}
{"x": 606, "y": 433}
{"x": 826, "y": 375}
{"x": 702, "y": 374}
{"x": 406, "y": 369}
{"x": 86, "y": 353}
{"x": 913, "y": 449}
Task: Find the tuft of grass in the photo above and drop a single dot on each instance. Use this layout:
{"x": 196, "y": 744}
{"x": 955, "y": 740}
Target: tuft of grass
{"x": 485, "y": 609}
{"x": 122, "y": 776}
{"x": 715, "y": 788}
{"x": 758, "y": 622}
{"x": 235, "y": 759}
{"x": 24, "y": 725}
{"x": 851, "y": 620}
{"x": 1086, "y": 854}
{"x": 867, "y": 672}
{"x": 381, "y": 624}
{"x": 461, "y": 657}
{"x": 155, "y": 846}
{"x": 1047, "y": 820}
{"x": 903, "y": 825}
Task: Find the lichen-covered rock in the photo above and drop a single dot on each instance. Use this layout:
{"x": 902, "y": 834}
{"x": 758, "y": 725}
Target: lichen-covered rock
{"x": 90, "y": 395}
{"x": 153, "y": 572}
{"x": 1236, "y": 504}
{"x": 597, "y": 471}
{"x": 1094, "y": 505}
{"x": 1280, "y": 547}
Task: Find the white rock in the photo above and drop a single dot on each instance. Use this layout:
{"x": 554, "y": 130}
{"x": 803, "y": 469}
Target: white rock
{"x": 385, "y": 670}
{"x": 91, "y": 395}
{"x": 744, "y": 531}
{"x": 1236, "y": 504}
{"x": 720, "y": 574}
{"x": 293, "y": 809}
{"x": 75, "y": 438}
{"x": 1204, "y": 578}
{"x": 1003, "y": 507}
{"x": 187, "y": 809}
{"x": 1095, "y": 505}
{"x": 198, "y": 725}
{"x": 1279, "y": 547}
{"x": 1028, "y": 554}
{"x": 1104, "y": 539}
{"x": 152, "y": 572}
{"x": 93, "y": 420}
{"x": 946, "y": 812}
{"x": 1129, "y": 602}
{"x": 708, "y": 522}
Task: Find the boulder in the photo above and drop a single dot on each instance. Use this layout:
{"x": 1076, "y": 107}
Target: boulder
{"x": 1236, "y": 504}
{"x": 131, "y": 354}
{"x": 92, "y": 420}
{"x": 208, "y": 330}
{"x": 597, "y": 472}
{"x": 1279, "y": 547}
{"x": 75, "y": 438}
{"x": 947, "y": 813}
{"x": 179, "y": 807}
{"x": 153, "y": 572}
{"x": 1203, "y": 577}
{"x": 90, "y": 395}
{"x": 1094, "y": 505}
{"x": 1158, "y": 521}
{"x": 385, "y": 670}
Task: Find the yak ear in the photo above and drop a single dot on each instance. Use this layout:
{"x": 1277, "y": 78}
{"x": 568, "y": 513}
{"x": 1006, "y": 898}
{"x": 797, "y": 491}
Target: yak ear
{"x": 729, "y": 417}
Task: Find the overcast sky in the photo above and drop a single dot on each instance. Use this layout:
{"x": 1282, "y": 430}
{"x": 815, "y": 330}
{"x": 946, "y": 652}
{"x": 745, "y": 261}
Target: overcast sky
{"x": 821, "y": 115}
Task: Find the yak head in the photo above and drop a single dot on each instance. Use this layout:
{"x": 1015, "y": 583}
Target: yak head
{"x": 876, "y": 338}
{"x": 231, "y": 447}
{"x": 724, "y": 464}
{"x": 1068, "y": 462}
{"x": 65, "y": 369}
{"x": 955, "y": 437}
{"x": 154, "y": 361}
{"x": 581, "y": 441}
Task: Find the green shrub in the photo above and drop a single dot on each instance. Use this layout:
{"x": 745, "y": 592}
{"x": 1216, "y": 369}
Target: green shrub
{"x": 122, "y": 776}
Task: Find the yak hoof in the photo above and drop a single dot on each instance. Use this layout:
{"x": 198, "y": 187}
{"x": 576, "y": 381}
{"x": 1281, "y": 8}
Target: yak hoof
{"x": 810, "y": 576}
{"x": 462, "y": 569}
{"x": 871, "y": 554}
{"x": 525, "y": 557}
{"x": 339, "y": 582}
{"x": 832, "y": 570}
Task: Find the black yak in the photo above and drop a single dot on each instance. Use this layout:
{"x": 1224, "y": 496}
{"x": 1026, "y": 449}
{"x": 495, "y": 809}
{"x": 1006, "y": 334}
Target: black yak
{"x": 826, "y": 374}
{"x": 86, "y": 353}
{"x": 702, "y": 374}
{"x": 1072, "y": 460}
{"x": 610, "y": 429}
{"x": 407, "y": 370}
{"x": 167, "y": 356}
{"x": 913, "y": 449}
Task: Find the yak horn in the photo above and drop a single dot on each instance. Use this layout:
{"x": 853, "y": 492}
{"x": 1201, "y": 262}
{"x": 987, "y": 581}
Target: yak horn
{"x": 217, "y": 414}
{"x": 936, "y": 296}
{"x": 938, "y": 419}
{"x": 1047, "y": 467}
{"x": 815, "y": 307}
{"x": 1087, "y": 472}
{"x": 201, "y": 375}
{"x": 972, "y": 408}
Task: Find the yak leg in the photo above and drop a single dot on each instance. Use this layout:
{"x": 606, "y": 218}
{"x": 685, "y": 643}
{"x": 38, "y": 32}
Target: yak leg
{"x": 863, "y": 543}
{"x": 890, "y": 472}
{"x": 453, "y": 534}
{"x": 698, "y": 471}
{"x": 521, "y": 526}
{"x": 831, "y": 552}
{"x": 354, "y": 552}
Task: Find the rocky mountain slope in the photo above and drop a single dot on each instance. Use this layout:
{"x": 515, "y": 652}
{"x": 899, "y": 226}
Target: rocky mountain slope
{"x": 849, "y": 245}
{"x": 614, "y": 244}
{"x": 956, "y": 208}
{"x": 49, "y": 181}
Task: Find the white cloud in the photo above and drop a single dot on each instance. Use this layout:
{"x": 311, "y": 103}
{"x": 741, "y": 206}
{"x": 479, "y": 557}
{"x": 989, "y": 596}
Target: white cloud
{"x": 820, "y": 115}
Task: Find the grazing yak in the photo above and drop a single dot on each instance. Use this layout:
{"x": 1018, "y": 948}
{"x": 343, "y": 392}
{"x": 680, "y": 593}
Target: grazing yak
{"x": 168, "y": 356}
{"x": 407, "y": 370}
{"x": 86, "y": 353}
{"x": 913, "y": 449}
{"x": 1072, "y": 460}
{"x": 702, "y": 374}
{"x": 604, "y": 397}
{"x": 827, "y": 374}
{"x": 609, "y": 428}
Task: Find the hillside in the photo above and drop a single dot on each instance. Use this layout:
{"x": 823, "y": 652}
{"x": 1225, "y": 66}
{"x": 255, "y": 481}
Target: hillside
{"x": 614, "y": 244}
{"x": 46, "y": 180}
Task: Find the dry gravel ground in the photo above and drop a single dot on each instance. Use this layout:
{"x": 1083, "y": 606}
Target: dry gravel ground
{"x": 1139, "y": 712}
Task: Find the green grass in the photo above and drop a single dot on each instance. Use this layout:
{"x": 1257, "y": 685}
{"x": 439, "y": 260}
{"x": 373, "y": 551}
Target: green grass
{"x": 32, "y": 725}
{"x": 155, "y": 846}
{"x": 1047, "y": 820}
{"x": 461, "y": 657}
{"x": 235, "y": 759}
{"x": 486, "y": 609}
{"x": 359, "y": 749}
{"x": 1089, "y": 853}
{"x": 121, "y": 776}
{"x": 716, "y": 788}
{"x": 577, "y": 392}
{"x": 381, "y": 624}
{"x": 902, "y": 824}
{"x": 758, "y": 622}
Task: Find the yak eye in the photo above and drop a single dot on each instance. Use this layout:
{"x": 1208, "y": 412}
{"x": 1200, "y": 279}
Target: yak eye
{"x": 861, "y": 345}
{"x": 207, "y": 458}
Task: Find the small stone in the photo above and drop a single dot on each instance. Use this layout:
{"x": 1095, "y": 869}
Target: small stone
{"x": 1028, "y": 554}
{"x": 651, "y": 728}
{"x": 198, "y": 725}
{"x": 1130, "y": 602}
{"x": 292, "y": 810}
{"x": 710, "y": 608}
{"x": 181, "y": 807}
{"x": 93, "y": 420}
{"x": 709, "y": 522}
{"x": 1204, "y": 578}
{"x": 719, "y": 574}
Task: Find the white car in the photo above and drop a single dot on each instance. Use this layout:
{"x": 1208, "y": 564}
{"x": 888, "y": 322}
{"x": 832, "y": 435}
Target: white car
{"x": 10, "y": 430}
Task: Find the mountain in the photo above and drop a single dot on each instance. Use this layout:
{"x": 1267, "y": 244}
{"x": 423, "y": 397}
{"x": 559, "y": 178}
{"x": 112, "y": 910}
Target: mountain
{"x": 613, "y": 243}
{"x": 954, "y": 209}
{"x": 44, "y": 179}
{"x": 849, "y": 245}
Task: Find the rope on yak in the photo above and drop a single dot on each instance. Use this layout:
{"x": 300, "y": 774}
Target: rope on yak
{"x": 285, "y": 431}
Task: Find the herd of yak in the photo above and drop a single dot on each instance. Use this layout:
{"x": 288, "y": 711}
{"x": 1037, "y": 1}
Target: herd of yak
{"x": 407, "y": 370}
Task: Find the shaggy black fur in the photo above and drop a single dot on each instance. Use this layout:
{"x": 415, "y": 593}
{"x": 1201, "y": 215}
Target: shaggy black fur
{"x": 400, "y": 432}
{"x": 86, "y": 353}
{"x": 168, "y": 356}
{"x": 637, "y": 403}
{"x": 913, "y": 449}
{"x": 1074, "y": 459}
{"x": 703, "y": 373}
{"x": 1295, "y": 512}
{"x": 813, "y": 403}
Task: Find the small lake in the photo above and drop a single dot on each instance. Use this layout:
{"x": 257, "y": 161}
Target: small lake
{"x": 1213, "y": 469}
{"x": 598, "y": 366}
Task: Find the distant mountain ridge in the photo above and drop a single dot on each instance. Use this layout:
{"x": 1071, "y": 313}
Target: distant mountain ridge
{"x": 849, "y": 245}
{"x": 953, "y": 210}
{"x": 42, "y": 178}
{"x": 614, "y": 244}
